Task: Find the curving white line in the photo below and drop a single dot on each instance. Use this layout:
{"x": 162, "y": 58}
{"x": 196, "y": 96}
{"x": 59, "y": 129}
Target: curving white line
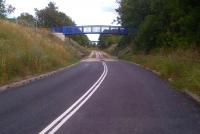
{"x": 68, "y": 113}
{"x": 55, "y": 129}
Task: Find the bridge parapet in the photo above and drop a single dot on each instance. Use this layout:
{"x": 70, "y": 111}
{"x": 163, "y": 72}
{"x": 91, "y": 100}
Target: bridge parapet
{"x": 91, "y": 29}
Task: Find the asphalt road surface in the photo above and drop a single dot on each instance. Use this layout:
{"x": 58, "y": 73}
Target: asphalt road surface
{"x": 98, "y": 96}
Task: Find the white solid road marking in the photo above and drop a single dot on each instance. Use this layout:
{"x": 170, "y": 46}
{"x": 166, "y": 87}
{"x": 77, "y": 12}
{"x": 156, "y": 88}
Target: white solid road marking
{"x": 58, "y": 122}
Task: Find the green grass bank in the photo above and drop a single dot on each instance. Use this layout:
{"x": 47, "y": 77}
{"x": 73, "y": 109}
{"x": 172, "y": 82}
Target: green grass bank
{"x": 180, "y": 67}
{"x": 27, "y": 51}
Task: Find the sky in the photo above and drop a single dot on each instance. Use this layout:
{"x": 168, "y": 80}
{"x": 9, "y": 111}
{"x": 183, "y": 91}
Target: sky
{"x": 83, "y": 12}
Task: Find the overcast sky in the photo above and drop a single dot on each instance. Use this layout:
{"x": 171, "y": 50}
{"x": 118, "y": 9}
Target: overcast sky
{"x": 83, "y": 12}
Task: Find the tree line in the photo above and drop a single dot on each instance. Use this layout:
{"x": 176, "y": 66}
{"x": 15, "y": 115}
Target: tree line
{"x": 160, "y": 23}
{"x": 106, "y": 40}
{"x": 48, "y": 17}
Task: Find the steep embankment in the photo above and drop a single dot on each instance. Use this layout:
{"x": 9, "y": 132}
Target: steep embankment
{"x": 27, "y": 51}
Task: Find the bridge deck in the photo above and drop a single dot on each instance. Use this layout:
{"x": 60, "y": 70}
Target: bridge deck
{"x": 91, "y": 29}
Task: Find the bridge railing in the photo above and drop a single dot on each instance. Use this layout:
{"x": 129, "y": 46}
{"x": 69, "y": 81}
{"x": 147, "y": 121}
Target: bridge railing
{"x": 57, "y": 29}
{"x": 95, "y": 29}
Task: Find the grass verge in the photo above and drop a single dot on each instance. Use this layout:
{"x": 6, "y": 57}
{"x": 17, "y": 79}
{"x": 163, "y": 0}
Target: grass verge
{"x": 180, "y": 67}
{"x": 27, "y": 51}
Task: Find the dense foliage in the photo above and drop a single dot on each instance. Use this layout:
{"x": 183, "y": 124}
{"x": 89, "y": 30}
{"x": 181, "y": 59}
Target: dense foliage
{"x": 50, "y": 16}
{"x": 5, "y": 9}
{"x": 2, "y": 8}
{"x": 26, "y": 19}
{"x": 106, "y": 40}
{"x": 161, "y": 23}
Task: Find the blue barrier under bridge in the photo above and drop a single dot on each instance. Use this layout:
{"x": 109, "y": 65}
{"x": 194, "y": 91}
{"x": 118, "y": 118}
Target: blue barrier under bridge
{"x": 91, "y": 29}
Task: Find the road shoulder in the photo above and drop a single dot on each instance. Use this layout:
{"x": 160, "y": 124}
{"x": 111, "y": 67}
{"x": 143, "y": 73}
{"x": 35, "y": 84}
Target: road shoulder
{"x": 33, "y": 78}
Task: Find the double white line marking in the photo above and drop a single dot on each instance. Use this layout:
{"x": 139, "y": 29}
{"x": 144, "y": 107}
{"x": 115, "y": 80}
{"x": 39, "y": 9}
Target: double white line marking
{"x": 64, "y": 117}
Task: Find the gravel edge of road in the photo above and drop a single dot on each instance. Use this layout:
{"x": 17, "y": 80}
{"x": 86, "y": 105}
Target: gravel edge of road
{"x": 34, "y": 78}
{"x": 185, "y": 91}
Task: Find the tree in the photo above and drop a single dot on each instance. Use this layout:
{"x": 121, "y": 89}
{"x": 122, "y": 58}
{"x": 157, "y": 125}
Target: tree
{"x": 2, "y": 9}
{"x": 26, "y": 19}
{"x": 147, "y": 35}
{"x": 161, "y": 23}
{"x": 5, "y": 10}
{"x": 50, "y": 17}
{"x": 106, "y": 40}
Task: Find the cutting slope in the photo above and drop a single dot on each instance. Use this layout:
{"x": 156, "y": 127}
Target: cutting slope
{"x": 27, "y": 51}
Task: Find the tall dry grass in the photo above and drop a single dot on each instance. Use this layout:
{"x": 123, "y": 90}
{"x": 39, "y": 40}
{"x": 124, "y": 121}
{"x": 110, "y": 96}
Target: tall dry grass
{"x": 180, "y": 67}
{"x": 26, "y": 51}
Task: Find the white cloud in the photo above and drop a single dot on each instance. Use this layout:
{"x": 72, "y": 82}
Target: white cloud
{"x": 83, "y": 12}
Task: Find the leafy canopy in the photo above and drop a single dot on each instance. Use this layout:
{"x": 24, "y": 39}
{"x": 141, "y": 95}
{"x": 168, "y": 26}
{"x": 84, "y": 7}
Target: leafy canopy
{"x": 168, "y": 23}
{"x": 5, "y": 9}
